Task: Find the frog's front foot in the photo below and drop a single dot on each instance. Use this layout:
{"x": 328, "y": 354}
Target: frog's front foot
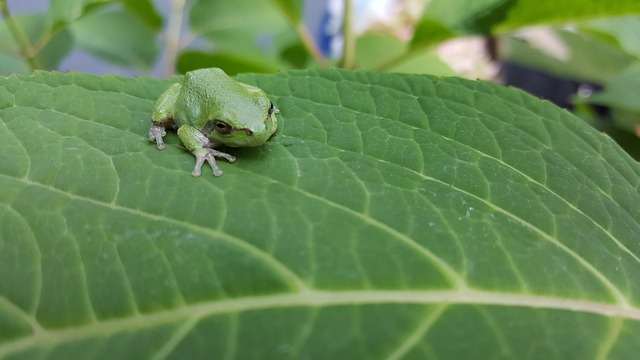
{"x": 156, "y": 133}
{"x": 209, "y": 155}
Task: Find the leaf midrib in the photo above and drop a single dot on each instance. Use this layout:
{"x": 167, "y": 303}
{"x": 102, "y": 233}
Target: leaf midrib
{"x": 318, "y": 298}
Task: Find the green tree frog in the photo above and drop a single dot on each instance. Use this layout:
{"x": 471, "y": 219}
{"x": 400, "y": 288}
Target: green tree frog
{"x": 210, "y": 109}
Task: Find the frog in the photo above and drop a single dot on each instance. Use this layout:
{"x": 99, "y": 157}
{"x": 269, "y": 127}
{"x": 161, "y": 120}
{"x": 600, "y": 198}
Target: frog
{"x": 209, "y": 109}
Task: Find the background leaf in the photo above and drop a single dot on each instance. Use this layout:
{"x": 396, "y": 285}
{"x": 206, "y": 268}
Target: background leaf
{"x": 528, "y": 12}
{"x": 391, "y": 216}
{"x": 240, "y": 27}
{"x": 232, "y": 64}
{"x": 293, "y": 9}
{"x": 65, "y": 11}
{"x": 145, "y": 11}
{"x": 622, "y": 91}
{"x": 127, "y": 41}
{"x": 444, "y": 18}
{"x": 586, "y": 58}
{"x": 48, "y": 54}
{"x": 623, "y": 31}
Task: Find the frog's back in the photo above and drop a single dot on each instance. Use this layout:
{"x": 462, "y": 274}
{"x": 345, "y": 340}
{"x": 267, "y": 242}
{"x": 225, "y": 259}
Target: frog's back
{"x": 213, "y": 82}
{"x": 205, "y": 93}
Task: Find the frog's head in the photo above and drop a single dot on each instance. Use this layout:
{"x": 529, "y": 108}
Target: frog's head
{"x": 247, "y": 126}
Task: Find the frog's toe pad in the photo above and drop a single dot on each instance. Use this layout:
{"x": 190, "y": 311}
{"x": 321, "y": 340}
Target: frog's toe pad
{"x": 156, "y": 133}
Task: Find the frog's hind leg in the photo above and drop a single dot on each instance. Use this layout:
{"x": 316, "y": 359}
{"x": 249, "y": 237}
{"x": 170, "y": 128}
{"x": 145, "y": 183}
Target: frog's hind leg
{"x": 201, "y": 147}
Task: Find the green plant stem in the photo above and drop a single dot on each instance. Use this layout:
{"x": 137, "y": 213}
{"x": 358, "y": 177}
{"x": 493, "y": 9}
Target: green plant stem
{"x": 349, "y": 47}
{"x": 311, "y": 46}
{"x": 172, "y": 39}
{"x": 303, "y": 34}
{"x": 26, "y": 49}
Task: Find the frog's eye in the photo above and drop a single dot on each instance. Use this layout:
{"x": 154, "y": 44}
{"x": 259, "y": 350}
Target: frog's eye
{"x": 222, "y": 127}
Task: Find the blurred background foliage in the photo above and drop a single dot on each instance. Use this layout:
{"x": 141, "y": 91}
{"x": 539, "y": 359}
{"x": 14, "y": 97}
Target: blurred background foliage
{"x": 583, "y": 55}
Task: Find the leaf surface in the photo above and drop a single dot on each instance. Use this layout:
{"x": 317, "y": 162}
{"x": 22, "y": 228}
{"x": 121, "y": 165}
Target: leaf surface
{"x": 391, "y": 216}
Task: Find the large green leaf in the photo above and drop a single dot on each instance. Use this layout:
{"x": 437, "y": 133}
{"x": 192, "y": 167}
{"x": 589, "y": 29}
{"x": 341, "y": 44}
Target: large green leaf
{"x": 391, "y": 216}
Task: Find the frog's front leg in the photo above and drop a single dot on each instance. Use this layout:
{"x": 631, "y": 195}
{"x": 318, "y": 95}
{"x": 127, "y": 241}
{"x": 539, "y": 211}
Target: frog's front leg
{"x": 156, "y": 133}
{"x": 200, "y": 147}
{"x": 162, "y": 116}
